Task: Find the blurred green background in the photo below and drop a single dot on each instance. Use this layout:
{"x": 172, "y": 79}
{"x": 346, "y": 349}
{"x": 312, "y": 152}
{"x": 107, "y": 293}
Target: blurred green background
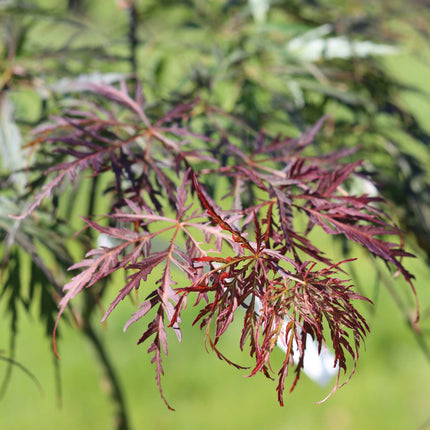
{"x": 236, "y": 55}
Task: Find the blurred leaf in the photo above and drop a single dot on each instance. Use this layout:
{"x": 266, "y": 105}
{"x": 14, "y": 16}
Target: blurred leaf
{"x": 10, "y": 142}
{"x": 259, "y": 9}
{"x": 313, "y": 46}
{"x": 81, "y": 82}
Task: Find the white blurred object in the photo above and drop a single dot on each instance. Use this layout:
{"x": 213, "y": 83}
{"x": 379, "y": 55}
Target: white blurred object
{"x": 259, "y": 9}
{"x": 297, "y": 93}
{"x": 360, "y": 185}
{"x": 81, "y": 82}
{"x": 313, "y": 46}
{"x": 106, "y": 241}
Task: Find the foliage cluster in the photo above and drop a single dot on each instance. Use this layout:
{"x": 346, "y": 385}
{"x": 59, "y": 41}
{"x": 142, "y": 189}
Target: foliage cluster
{"x": 288, "y": 287}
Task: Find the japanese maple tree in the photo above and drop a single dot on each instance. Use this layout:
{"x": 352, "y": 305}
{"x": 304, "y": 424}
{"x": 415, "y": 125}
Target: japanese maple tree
{"x": 247, "y": 254}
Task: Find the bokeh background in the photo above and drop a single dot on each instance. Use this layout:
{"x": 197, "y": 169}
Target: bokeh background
{"x": 278, "y": 65}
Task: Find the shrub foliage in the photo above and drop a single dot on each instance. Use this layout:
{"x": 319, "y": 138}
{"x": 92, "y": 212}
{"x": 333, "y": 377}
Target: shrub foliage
{"x": 249, "y": 250}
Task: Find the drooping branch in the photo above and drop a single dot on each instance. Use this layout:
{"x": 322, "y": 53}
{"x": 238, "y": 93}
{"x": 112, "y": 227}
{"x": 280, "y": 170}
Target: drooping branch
{"x": 244, "y": 251}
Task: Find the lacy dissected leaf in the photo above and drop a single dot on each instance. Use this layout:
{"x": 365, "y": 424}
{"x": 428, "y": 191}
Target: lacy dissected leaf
{"x": 165, "y": 297}
{"x": 98, "y": 264}
{"x": 141, "y": 155}
{"x": 286, "y": 300}
{"x": 316, "y": 186}
{"x": 362, "y": 224}
{"x": 243, "y": 254}
{"x": 281, "y": 306}
{"x": 143, "y": 269}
